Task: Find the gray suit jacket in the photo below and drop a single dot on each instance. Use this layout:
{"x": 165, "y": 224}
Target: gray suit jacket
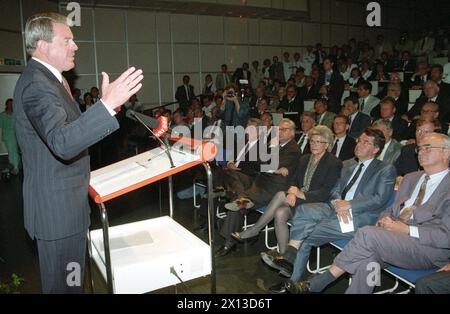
{"x": 392, "y": 152}
{"x": 328, "y": 119}
{"x": 373, "y": 192}
{"x": 432, "y": 217}
{"x": 54, "y": 136}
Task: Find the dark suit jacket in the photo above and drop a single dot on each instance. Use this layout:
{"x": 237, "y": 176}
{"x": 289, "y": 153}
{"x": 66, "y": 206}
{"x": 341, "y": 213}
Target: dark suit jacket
{"x": 432, "y": 218}
{"x": 239, "y": 75}
{"x": 409, "y": 67}
{"x": 270, "y": 183}
{"x": 372, "y": 193}
{"x": 444, "y": 90}
{"x": 304, "y": 94}
{"x": 296, "y": 105}
{"x": 307, "y": 149}
{"x": 54, "y": 136}
{"x": 251, "y": 163}
{"x": 400, "y": 128}
{"x": 443, "y": 102}
{"x": 254, "y": 106}
{"x": 323, "y": 180}
{"x": 347, "y": 149}
{"x": 407, "y": 161}
{"x": 316, "y": 54}
{"x": 418, "y": 80}
{"x": 360, "y": 122}
{"x": 335, "y": 90}
{"x": 181, "y": 96}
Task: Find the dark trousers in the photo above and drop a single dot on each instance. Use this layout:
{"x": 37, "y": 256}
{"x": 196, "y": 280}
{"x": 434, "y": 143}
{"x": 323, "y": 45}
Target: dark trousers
{"x": 437, "y": 283}
{"x": 62, "y": 263}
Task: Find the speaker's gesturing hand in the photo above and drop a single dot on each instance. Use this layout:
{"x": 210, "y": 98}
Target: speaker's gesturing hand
{"x": 116, "y": 93}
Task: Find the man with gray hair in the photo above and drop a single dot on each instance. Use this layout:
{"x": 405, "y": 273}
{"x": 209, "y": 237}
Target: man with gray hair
{"x": 411, "y": 234}
{"x": 54, "y": 136}
{"x": 283, "y": 163}
{"x": 430, "y": 94}
{"x": 392, "y": 148}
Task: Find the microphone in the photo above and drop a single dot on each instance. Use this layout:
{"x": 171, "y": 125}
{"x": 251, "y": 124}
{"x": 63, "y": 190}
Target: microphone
{"x": 149, "y": 121}
{"x": 159, "y": 125}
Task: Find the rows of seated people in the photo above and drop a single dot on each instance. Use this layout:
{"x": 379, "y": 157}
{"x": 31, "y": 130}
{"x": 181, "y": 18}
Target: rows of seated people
{"x": 338, "y": 161}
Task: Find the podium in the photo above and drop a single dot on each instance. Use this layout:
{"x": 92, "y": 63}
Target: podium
{"x": 151, "y": 254}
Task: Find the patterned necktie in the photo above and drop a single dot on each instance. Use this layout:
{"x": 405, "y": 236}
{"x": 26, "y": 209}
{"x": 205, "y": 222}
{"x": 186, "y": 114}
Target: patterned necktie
{"x": 407, "y": 212}
{"x": 363, "y": 104}
{"x": 66, "y": 86}
{"x": 352, "y": 181}
{"x": 334, "y": 150}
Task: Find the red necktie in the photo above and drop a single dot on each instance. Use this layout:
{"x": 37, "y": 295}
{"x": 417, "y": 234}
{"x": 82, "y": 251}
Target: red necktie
{"x": 334, "y": 150}
{"x": 66, "y": 86}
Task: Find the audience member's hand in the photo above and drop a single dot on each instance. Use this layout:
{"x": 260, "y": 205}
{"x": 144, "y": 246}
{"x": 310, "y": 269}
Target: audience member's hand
{"x": 395, "y": 226}
{"x": 116, "y": 93}
{"x": 341, "y": 205}
{"x": 283, "y": 171}
{"x": 405, "y": 117}
{"x": 445, "y": 268}
{"x": 398, "y": 182}
{"x": 293, "y": 190}
{"x": 291, "y": 199}
{"x": 232, "y": 166}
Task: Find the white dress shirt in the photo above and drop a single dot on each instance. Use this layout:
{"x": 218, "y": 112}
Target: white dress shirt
{"x": 339, "y": 144}
{"x": 385, "y": 148}
{"x": 351, "y": 193}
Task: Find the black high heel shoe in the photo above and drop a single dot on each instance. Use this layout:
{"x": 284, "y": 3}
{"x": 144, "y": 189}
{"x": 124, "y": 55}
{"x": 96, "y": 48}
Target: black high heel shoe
{"x": 251, "y": 240}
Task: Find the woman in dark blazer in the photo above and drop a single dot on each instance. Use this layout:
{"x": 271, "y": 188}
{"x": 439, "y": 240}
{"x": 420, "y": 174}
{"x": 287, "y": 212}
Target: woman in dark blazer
{"x": 316, "y": 175}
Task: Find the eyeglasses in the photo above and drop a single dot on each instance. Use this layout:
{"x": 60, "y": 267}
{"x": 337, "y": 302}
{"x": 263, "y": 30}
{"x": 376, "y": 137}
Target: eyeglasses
{"x": 419, "y": 131}
{"x": 428, "y": 111}
{"x": 312, "y": 142}
{"x": 427, "y": 148}
{"x": 285, "y": 129}
{"x": 365, "y": 142}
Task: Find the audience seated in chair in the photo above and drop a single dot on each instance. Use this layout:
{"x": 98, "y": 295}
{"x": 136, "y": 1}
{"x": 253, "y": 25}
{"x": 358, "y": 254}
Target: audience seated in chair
{"x": 265, "y": 184}
{"x": 312, "y": 182}
{"x": 359, "y": 196}
{"x": 411, "y": 234}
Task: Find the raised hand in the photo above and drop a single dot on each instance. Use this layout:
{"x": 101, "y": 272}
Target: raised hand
{"x": 116, "y": 93}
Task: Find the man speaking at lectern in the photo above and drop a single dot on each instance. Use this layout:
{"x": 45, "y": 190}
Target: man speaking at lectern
{"x": 54, "y": 136}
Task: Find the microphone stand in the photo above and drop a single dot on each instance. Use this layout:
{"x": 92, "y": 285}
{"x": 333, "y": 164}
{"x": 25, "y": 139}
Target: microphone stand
{"x": 164, "y": 143}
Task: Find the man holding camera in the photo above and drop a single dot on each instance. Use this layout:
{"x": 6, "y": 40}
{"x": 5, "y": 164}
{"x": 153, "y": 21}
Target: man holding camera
{"x": 234, "y": 110}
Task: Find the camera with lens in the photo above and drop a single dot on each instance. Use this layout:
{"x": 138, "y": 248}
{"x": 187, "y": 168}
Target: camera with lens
{"x": 231, "y": 94}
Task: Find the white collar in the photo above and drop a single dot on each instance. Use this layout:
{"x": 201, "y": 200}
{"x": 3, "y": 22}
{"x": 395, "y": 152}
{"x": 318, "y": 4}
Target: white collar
{"x": 441, "y": 174}
{"x": 51, "y": 68}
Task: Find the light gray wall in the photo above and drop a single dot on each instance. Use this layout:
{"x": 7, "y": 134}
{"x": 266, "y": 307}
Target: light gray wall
{"x": 167, "y": 46}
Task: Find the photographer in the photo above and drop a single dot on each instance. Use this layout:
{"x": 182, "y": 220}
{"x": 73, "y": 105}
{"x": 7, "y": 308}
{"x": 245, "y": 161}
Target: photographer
{"x": 234, "y": 110}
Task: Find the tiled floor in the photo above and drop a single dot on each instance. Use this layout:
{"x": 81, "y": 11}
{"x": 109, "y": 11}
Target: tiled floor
{"x": 240, "y": 272}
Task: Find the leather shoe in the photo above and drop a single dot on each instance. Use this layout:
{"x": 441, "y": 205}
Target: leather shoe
{"x": 224, "y": 250}
{"x": 279, "y": 289}
{"x": 284, "y": 266}
{"x": 278, "y": 262}
{"x": 298, "y": 287}
{"x": 251, "y": 240}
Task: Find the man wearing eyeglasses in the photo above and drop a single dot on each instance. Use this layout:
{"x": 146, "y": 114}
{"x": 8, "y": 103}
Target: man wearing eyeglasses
{"x": 411, "y": 234}
{"x": 359, "y": 196}
{"x": 429, "y": 111}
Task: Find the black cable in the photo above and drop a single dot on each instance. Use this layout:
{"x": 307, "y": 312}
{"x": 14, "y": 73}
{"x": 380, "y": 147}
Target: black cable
{"x": 174, "y": 272}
